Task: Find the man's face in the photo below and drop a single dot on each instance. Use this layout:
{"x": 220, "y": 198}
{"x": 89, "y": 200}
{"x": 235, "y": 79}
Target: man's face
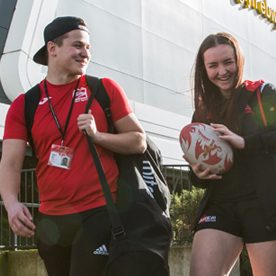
{"x": 73, "y": 56}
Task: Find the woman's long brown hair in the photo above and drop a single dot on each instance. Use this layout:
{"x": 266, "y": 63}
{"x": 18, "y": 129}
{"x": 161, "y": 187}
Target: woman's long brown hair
{"x": 210, "y": 105}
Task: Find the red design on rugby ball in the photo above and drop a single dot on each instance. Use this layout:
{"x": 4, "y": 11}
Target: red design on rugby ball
{"x": 201, "y": 144}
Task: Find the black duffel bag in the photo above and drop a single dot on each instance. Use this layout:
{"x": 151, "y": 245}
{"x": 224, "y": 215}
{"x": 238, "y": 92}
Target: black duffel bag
{"x": 143, "y": 202}
{"x": 141, "y": 228}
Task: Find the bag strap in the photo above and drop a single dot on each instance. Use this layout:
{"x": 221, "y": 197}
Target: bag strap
{"x": 259, "y": 99}
{"x": 117, "y": 227}
{"x": 32, "y": 98}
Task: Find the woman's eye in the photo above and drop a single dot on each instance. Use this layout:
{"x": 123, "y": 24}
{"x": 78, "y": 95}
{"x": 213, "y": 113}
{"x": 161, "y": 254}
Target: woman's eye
{"x": 229, "y": 62}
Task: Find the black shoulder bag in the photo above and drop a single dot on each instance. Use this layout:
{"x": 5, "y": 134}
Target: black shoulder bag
{"x": 141, "y": 229}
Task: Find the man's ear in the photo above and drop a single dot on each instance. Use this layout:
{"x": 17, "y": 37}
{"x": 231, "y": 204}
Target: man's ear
{"x": 51, "y": 49}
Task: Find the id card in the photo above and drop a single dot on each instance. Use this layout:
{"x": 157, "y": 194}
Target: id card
{"x": 60, "y": 156}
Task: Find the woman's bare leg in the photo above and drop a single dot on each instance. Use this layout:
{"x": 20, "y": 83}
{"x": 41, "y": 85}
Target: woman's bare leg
{"x": 214, "y": 252}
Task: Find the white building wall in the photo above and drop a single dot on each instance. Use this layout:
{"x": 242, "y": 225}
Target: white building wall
{"x": 148, "y": 46}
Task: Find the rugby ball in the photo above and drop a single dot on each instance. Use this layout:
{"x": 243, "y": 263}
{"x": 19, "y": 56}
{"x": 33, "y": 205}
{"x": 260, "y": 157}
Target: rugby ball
{"x": 201, "y": 144}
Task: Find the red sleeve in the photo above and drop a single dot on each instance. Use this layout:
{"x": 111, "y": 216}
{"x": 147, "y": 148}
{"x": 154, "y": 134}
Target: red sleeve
{"x": 15, "y": 127}
{"x": 253, "y": 85}
{"x": 119, "y": 104}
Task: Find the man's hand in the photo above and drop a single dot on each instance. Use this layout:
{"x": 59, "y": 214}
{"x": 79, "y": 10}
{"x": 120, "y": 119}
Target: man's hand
{"x": 20, "y": 220}
{"x": 86, "y": 122}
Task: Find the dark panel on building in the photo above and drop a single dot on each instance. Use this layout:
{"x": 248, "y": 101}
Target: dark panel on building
{"x": 3, "y": 36}
{"x": 7, "y": 8}
{"x": 3, "y": 97}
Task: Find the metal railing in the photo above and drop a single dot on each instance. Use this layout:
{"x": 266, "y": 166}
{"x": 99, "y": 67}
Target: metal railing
{"x": 176, "y": 176}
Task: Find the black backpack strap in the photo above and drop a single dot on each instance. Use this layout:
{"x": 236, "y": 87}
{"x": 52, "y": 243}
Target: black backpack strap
{"x": 93, "y": 84}
{"x": 32, "y": 98}
{"x": 102, "y": 97}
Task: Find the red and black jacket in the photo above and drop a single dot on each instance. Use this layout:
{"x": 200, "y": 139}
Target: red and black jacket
{"x": 259, "y": 153}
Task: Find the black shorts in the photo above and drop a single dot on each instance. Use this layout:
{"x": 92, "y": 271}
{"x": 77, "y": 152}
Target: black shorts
{"x": 74, "y": 244}
{"x": 244, "y": 219}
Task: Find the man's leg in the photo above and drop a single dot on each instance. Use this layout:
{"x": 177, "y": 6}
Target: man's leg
{"x": 56, "y": 259}
{"x": 90, "y": 247}
{"x": 54, "y": 239}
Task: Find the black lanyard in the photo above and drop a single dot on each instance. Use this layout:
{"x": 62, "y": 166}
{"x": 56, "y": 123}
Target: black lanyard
{"x": 62, "y": 132}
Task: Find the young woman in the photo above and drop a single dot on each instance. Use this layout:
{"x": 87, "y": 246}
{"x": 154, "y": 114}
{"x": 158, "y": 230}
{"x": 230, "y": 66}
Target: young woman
{"x": 239, "y": 206}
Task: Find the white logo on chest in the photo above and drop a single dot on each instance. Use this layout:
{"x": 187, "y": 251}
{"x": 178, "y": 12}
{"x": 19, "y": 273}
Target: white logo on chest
{"x": 81, "y": 95}
{"x": 44, "y": 100}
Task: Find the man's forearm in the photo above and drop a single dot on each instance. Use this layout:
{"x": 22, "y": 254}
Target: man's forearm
{"x": 123, "y": 143}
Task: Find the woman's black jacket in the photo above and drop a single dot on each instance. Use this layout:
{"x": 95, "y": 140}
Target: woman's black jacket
{"x": 260, "y": 149}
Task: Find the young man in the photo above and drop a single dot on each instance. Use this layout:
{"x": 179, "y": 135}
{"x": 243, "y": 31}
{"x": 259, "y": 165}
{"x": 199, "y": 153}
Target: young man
{"x": 73, "y": 224}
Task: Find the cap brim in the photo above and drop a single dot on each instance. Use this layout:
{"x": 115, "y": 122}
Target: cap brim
{"x": 40, "y": 56}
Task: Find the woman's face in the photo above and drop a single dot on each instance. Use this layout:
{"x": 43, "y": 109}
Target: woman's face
{"x": 221, "y": 67}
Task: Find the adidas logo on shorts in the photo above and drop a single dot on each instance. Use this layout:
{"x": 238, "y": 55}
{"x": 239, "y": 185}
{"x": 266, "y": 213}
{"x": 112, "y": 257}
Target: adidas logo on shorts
{"x": 102, "y": 250}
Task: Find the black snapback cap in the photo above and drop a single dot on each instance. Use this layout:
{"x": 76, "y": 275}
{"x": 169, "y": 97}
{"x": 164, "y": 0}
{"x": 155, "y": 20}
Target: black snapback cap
{"x": 59, "y": 26}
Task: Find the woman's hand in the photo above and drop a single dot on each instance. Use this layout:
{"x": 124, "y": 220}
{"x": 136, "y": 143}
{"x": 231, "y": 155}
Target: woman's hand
{"x": 227, "y": 135}
{"x": 202, "y": 173}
